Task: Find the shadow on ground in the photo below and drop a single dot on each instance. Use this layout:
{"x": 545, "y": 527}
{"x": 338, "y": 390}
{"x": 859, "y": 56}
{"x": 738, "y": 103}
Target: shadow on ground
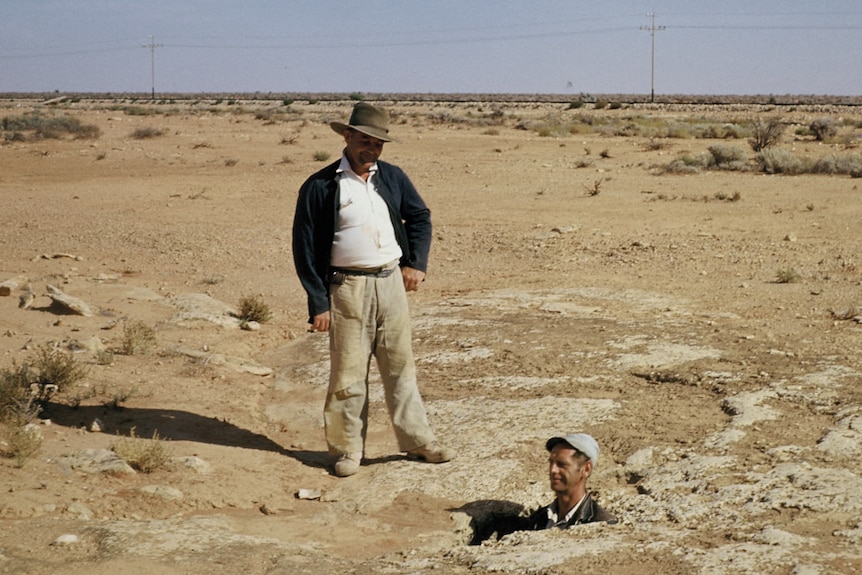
{"x": 175, "y": 425}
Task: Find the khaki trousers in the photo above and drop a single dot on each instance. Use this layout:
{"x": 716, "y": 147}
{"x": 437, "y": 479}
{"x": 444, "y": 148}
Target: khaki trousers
{"x": 370, "y": 317}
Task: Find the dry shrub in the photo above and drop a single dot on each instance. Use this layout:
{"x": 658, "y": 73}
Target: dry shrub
{"x": 14, "y": 387}
{"x": 21, "y": 437}
{"x": 732, "y": 158}
{"x": 778, "y": 161}
{"x": 138, "y": 338}
{"x": 837, "y": 164}
{"x": 48, "y": 127}
{"x": 823, "y": 128}
{"x": 55, "y": 371}
{"x": 787, "y": 276}
{"x": 147, "y": 133}
{"x": 765, "y": 133}
{"x": 252, "y": 308}
{"x": 145, "y": 455}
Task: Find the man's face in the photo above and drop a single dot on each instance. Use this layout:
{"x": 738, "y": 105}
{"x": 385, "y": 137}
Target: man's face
{"x": 568, "y": 469}
{"x": 362, "y": 150}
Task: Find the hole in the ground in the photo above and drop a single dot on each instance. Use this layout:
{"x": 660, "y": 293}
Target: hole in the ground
{"x": 492, "y": 519}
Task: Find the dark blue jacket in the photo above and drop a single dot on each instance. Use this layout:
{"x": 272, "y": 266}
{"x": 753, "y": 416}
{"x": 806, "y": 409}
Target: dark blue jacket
{"x": 316, "y": 218}
{"x": 588, "y": 512}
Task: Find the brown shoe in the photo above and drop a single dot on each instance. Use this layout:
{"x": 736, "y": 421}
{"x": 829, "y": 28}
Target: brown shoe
{"x": 348, "y": 464}
{"x": 432, "y": 453}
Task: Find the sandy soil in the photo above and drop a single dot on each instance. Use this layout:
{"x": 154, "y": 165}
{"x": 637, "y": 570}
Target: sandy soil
{"x": 726, "y": 403}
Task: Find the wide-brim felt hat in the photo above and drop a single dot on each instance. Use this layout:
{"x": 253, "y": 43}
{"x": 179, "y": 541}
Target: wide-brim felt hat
{"x": 367, "y": 119}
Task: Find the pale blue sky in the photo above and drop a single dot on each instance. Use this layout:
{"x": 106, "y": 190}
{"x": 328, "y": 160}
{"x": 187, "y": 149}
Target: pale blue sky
{"x": 432, "y": 46}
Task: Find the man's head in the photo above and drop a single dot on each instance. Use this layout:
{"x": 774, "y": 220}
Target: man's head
{"x": 364, "y": 134}
{"x": 570, "y": 463}
{"x": 369, "y": 120}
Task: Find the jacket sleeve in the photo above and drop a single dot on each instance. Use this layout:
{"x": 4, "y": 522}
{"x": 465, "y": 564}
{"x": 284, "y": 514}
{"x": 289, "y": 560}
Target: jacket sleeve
{"x": 412, "y": 219}
{"x": 312, "y": 223}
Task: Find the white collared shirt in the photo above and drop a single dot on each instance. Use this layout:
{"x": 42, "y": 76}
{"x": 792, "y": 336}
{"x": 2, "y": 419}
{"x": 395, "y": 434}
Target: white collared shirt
{"x": 364, "y": 236}
{"x": 553, "y": 518}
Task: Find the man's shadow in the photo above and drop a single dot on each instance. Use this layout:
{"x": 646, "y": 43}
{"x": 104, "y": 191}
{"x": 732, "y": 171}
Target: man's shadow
{"x": 174, "y": 425}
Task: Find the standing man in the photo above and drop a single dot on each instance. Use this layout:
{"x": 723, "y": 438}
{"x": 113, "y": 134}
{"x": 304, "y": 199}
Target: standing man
{"x": 361, "y": 238}
{"x": 570, "y": 463}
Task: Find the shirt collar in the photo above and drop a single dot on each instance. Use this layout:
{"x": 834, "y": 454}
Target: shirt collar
{"x": 344, "y": 166}
{"x": 553, "y": 513}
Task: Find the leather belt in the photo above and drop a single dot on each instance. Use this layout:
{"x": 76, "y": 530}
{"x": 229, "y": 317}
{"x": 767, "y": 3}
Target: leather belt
{"x": 373, "y": 273}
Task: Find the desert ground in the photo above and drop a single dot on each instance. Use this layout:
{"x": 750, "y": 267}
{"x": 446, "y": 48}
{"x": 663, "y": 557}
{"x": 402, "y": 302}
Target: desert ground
{"x": 704, "y": 327}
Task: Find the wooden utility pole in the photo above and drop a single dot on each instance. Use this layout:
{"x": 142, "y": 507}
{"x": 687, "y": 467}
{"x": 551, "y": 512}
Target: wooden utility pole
{"x": 152, "y": 46}
{"x": 652, "y": 29}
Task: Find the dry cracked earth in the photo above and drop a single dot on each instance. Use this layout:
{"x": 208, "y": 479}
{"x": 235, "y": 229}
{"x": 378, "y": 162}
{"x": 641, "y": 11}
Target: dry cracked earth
{"x": 572, "y": 287}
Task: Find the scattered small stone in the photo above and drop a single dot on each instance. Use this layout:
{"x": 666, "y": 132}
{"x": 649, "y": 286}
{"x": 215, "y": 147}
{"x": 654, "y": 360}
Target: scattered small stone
{"x": 79, "y": 510}
{"x": 309, "y": 494}
{"x": 164, "y": 491}
{"x": 267, "y": 510}
{"x": 66, "y": 539}
{"x": 57, "y": 256}
{"x": 71, "y": 303}
{"x": 7, "y": 287}
{"x": 26, "y": 299}
{"x": 193, "y": 462}
{"x": 96, "y": 461}
{"x": 96, "y": 426}
{"x": 250, "y": 326}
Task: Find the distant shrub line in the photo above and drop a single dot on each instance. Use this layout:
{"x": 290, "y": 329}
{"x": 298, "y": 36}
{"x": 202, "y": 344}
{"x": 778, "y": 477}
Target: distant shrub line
{"x": 46, "y": 127}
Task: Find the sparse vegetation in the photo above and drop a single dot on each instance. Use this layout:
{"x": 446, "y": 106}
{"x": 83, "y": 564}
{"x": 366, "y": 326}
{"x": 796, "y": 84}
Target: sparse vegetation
{"x": 104, "y": 357}
{"x": 253, "y": 308}
{"x": 320, "y": 156}
{"x": 46, "y": 127}
{"x": 119, "y": 397}
{"x": 144, "y": 455}
{"x": 731, "y": 158}
{"x": 779, "y": 161}
{"x": 138, "y": 338}
{"x": 56, "y": 370}
{"x": 147, "y": 133}
{"x": 20, "y": 437}
{"x": 14, "y": 387}
{"x": 595, "y": 188}
{"x": 823, "y": 128}
{"x": 787, "y": 276}
{"x": 765, "y": 133}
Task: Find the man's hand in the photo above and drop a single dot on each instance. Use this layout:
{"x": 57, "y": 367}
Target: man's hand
{"x": 412, "y": 278}
{"x": 321, "y": 322}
